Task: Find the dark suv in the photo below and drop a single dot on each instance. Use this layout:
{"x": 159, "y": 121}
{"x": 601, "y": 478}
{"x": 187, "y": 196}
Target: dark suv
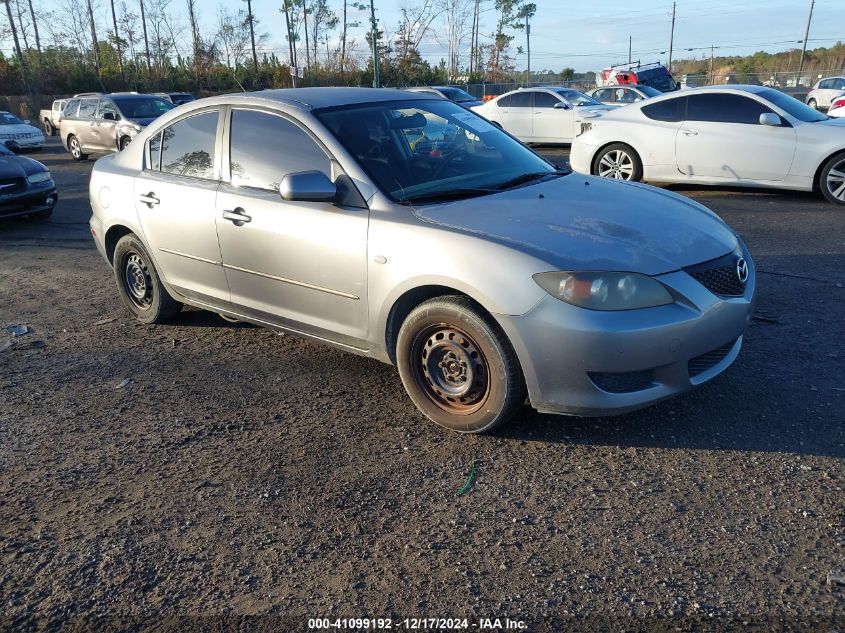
{"x": 104, "y": 123}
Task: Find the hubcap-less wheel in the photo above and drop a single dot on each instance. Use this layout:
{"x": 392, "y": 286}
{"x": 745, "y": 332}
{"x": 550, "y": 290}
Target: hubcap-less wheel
{"x": 137, "y": 281}
{"x": 616, "y": 164}
{"x": 451, "y": 369}
{"x": 835, "y": 180}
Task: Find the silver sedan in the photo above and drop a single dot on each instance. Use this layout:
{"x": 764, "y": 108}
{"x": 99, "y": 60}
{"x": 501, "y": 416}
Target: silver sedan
{"x": 487, "y": 275}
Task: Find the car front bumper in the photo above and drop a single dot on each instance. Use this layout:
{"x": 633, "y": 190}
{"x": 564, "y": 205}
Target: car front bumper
{"x": 591, "y": 363}
{"x": 33, "y": 142}
{"x": 581, "y": 156}
{"x": 28, "y": 202}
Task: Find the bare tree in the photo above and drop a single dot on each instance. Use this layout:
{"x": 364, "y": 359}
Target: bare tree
{"x": 344, "y": 30}
{"x": 324, "y": 20}
{"x": 95, "y": 45}
{"x": 251, "y": 19}
{"x": 456, "y": 15}
{"x": 116, "y": 40}
{"x": 18, "y": 52}
{"x": 146, "y": 40}
{"x": 195, "y": 34}
{"x": 22, "y": 26}
{"x": 415, "y": 25}
{"x": 37, "y": 36}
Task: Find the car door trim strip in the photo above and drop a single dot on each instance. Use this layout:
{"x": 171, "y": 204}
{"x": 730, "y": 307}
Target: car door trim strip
{"x": 199, "y": 259}
{"x": 293, "y": 282}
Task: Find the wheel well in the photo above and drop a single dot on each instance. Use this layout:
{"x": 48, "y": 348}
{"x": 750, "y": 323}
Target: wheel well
{"x": 113, "y": 236}
{"x": 410, "y": 300}
{"x": 67, "y": 140}
{"x": 606, "y": 145}
{"x": 817, "y": 176}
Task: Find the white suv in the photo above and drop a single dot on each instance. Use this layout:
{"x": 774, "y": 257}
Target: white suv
{"x": 825, "y": 90}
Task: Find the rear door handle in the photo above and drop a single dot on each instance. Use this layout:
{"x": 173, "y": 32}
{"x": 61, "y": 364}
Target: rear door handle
{"x": 237, "y": 216}
{"x": 689, "y": 132}
{"x": 149, "y": 199}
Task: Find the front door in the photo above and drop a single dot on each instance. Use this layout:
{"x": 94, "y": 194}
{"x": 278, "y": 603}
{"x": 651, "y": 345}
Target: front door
{"x": 553, "y": 119}
{"x": 102, "y": 132}
{"x": 301, "y": 265}
{"x": 722, "y": 138}
{"x": 175, "y": 198}
{"x": 516, "y": 117}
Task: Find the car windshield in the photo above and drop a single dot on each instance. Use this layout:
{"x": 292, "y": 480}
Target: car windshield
{"x": 7, "y": 118}
{"x": 457, "y": 95}
{"x": 425, "y": 150}
{"x": 649, "y": 91}
{"x": 792, "y": 106}
{"x": 577, "y": 98}
{"x": 142, "y": 107}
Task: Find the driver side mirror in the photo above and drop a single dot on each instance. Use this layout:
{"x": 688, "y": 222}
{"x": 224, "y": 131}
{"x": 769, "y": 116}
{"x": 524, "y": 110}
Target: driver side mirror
{"x": 109, "y": 116}
{"x": 560, "y": 105}
{"x": 770, "y": 118}
{"x": 307, "y": 186}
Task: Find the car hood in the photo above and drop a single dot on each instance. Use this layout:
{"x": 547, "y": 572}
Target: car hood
{"x": 579, "y": 222}
{"x": 19, "y": 167}
{"x": 469, "y": 105}
{"x": 18, "y": 128}
{"x": 142, "y": 122}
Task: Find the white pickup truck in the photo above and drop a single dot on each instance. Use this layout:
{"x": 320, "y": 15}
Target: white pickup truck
{"x": 51, "y": 118}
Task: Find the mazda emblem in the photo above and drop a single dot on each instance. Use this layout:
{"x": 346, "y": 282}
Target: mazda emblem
{"x": 742, "y": 269}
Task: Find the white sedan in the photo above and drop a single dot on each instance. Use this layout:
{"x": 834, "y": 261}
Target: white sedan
{"x": 726, "y": 135}
{"x": 21, "y": 132}
{"x": 542, "y": 115}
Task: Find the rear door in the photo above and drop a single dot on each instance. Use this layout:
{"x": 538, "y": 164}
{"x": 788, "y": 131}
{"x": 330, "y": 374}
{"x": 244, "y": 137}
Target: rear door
{"x": 302, "y": 265}
{"x": 516, "y": 117}
{"x": 86, "y": 121}
{"x": 102, "y": 132}
{"x": 722, "y": 138}
{"x": 175, "y": 199}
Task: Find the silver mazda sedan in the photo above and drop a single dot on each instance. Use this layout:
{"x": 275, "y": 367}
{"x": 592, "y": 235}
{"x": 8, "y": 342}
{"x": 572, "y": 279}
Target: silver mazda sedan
{"x": 403, "y": 227}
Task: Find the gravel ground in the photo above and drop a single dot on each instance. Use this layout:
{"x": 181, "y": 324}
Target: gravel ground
{"x": 199, "y": 473}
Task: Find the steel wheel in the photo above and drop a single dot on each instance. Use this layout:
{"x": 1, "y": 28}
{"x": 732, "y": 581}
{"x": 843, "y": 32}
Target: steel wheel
{"x": 137, "y": 280}
{"x": 451, "y": 369}
{"x": 616, "y": 164}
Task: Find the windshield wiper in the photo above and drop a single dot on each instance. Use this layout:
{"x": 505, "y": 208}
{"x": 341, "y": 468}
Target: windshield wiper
{"x": 530, "y": 177}
{"x": 449, "y": 194}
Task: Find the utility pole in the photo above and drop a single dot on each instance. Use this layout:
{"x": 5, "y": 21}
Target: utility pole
{"x": 711, "y": 65}
{"x": 629, "y": 49}
{"x": 374, "y": 36}
{"x": 804, "y": 47}
{"x": 528, "y": 42}
{"x": 292, "y": 62}
{"x": 671, "y": 37}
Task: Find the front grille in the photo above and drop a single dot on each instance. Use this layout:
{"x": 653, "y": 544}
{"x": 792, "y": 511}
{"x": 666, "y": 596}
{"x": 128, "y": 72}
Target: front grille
{"x": 9, "y": 186}
{"x": 719, "y": 275}
{"x": 708, "y": 360}
{"x": 626, "y": 382}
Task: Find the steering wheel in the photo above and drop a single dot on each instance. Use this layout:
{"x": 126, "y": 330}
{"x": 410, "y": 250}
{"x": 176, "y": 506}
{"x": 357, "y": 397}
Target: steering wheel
{"x": 448, "y": 161}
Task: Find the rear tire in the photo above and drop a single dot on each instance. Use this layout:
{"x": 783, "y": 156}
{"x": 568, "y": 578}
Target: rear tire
{"x": 75, "y": 148}
{"x": 458, "y": 366}
{"x": 812, "y": 103}
{"x": 618, "y": 162}
{"x": 139, "y": 285}
{"x": 832, "y": 179}
{"x": 49, "y": 130}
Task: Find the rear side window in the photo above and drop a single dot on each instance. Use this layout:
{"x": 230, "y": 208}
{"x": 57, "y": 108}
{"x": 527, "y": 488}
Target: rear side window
{"x": 672, "y": 110}
{"x": 187, "y": 147}
{"x": 265, "y": 147}
{"x": 839, "y": 84}
{"x": 724, "y": 108}
{"x": 825, "y": 84}
{"x": 87, "y": 108}
{"x": 521, "y": 99}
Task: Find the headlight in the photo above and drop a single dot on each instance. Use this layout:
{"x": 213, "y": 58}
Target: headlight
{"x": 41, "y": 176}
{"x": 605, "y": 291}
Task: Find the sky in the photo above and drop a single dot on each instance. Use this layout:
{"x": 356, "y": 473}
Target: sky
{"x": 589, "y": 35}
{"x": 592, "y": 35}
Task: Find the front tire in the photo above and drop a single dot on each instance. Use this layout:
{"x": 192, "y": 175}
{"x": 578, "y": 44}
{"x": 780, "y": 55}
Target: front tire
{"x": 832, "y": 179}
{"x": 139, "y": 285}
{"x": 76, "y": 149}
{"x": 618, "y": 162}
{"x": 458, "y": 367}
{"x": 124, "y": 143}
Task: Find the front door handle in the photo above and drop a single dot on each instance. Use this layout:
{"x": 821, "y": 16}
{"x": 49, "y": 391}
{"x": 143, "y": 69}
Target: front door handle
{"x": 689, "y": 132}
{"x": 237, "y": 216}
{"x": 149, "y": 199}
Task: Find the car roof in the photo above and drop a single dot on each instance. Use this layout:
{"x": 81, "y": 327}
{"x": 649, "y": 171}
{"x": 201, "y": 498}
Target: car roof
{"x": 314, "y": 98}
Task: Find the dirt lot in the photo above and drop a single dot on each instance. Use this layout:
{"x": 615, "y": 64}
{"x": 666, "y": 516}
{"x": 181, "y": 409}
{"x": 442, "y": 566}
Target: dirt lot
{"x": 242, "y": 473}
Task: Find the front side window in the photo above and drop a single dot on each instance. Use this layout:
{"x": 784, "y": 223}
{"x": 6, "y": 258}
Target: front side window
{"x": 839, "y": 84}
{"x": 545, "y": 100}
{"x": 429, "y": 150}
{"x": 724, "y": 108}
{"x": 504, "y": 102}
{"x": 576, "y": 98}
{"x": 266, "y": 147}
{"x": 142, "y": 107}
{"x": 521, "y": 99}
{"x": 107, "y": 106}
{"x": 87, "y": 108}
{"x": 792, "y": 106}
{"x": 187, "y": 146}
{"x": 605, "y": 94}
